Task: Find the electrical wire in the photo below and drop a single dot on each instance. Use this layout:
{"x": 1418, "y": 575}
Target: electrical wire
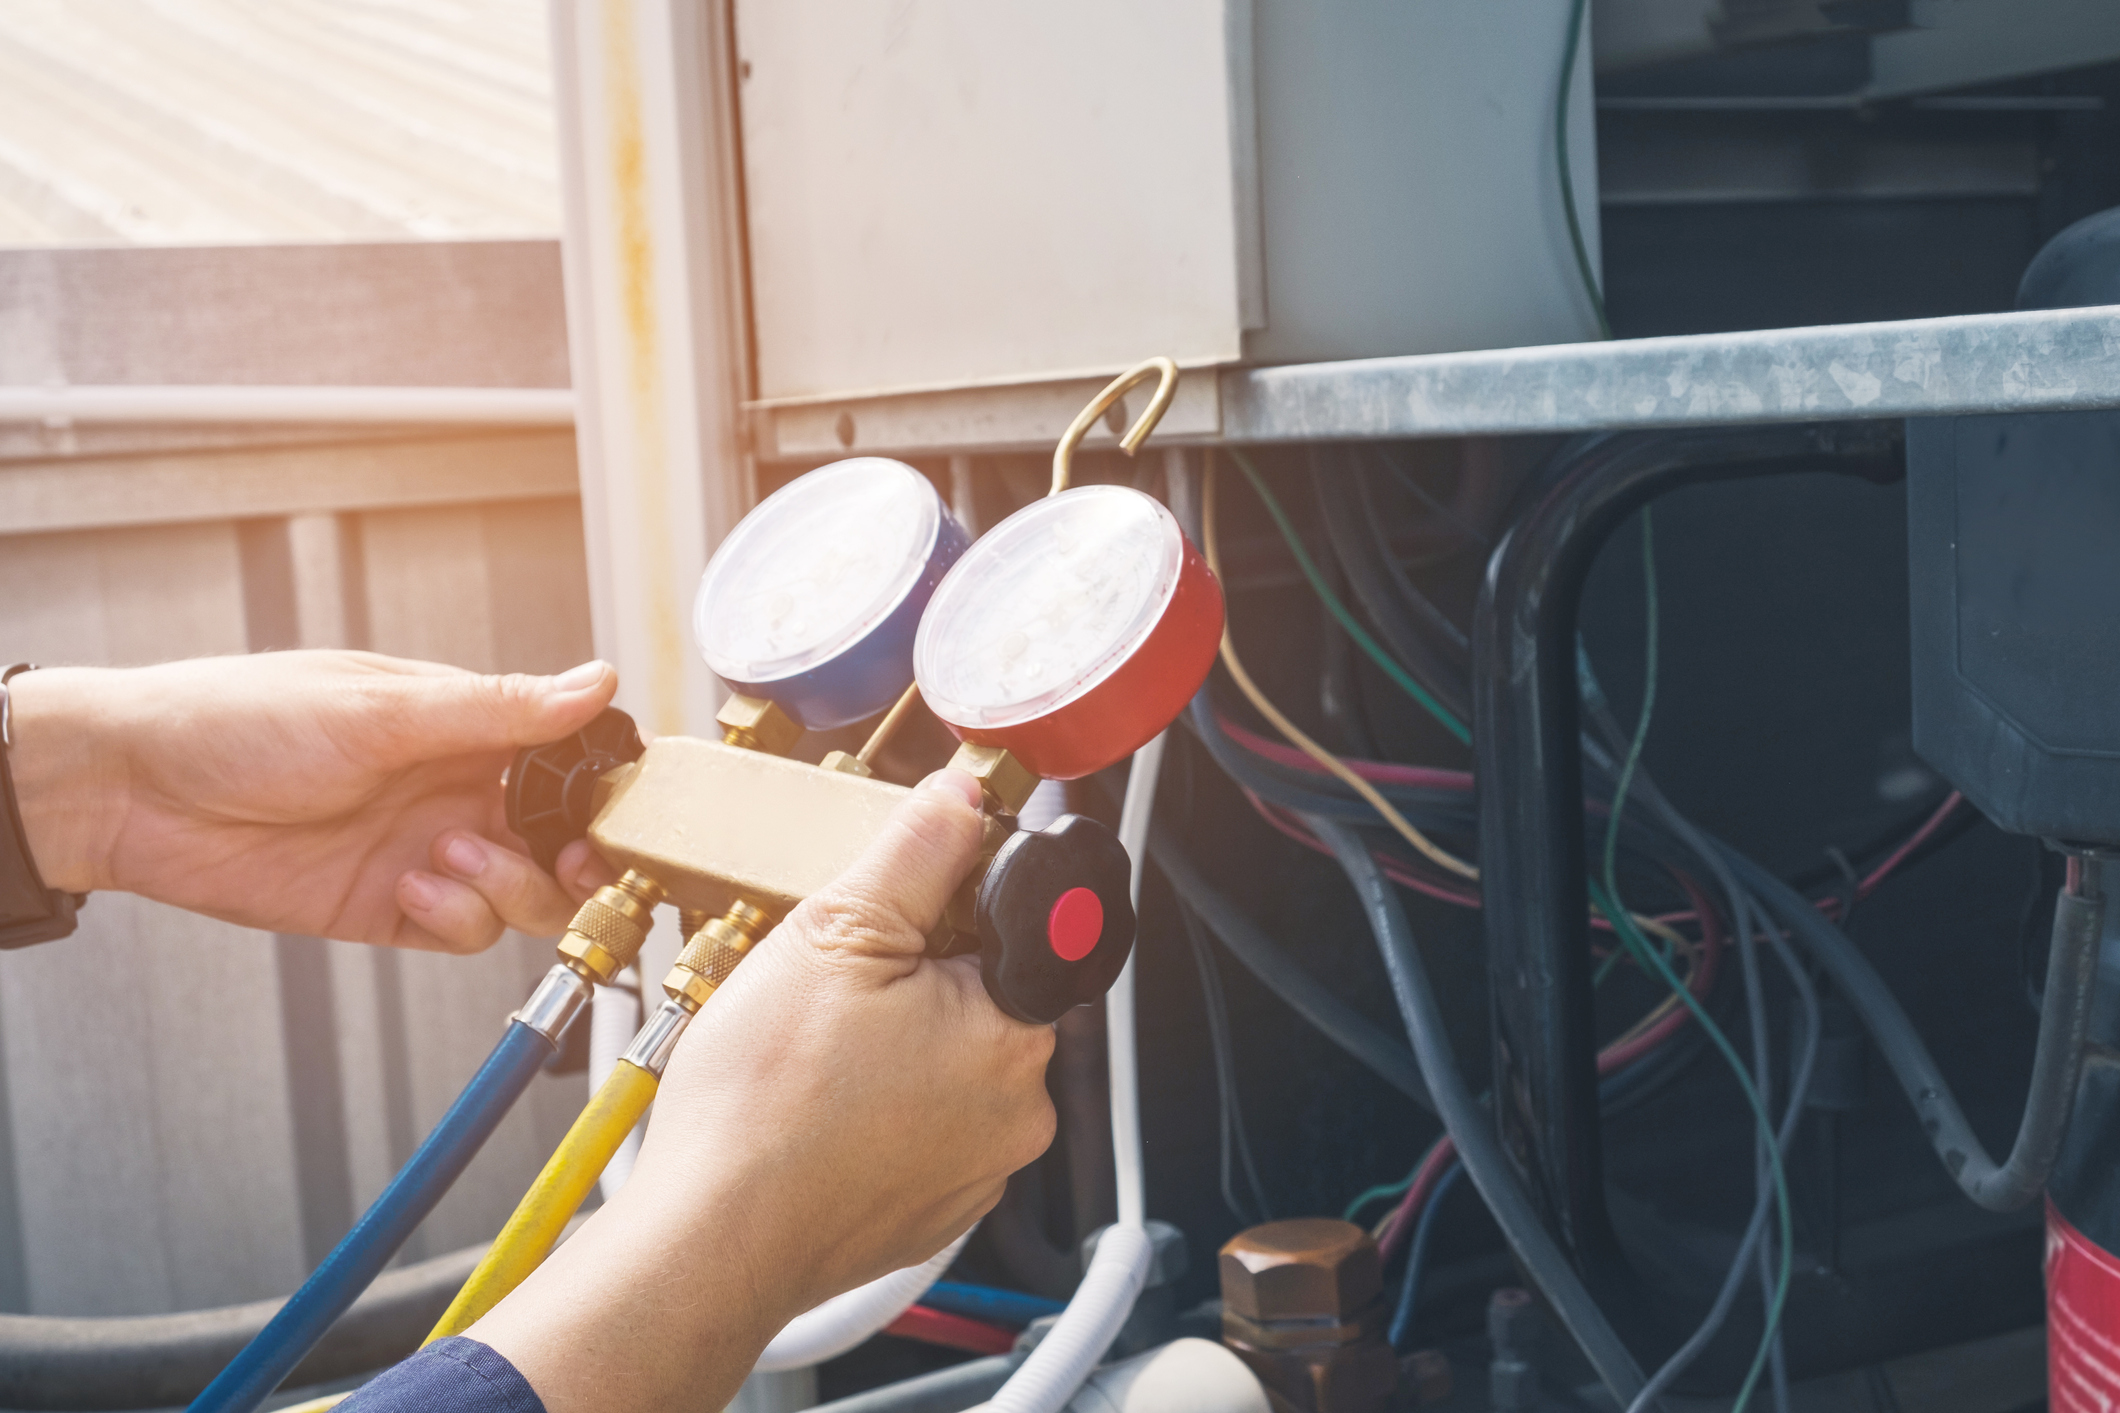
{"x": 1231, "y": 663}
{"x": 1234, "y": 1142}
{"x": 1355, "y": 630}
{"x": 940, "y": 1327}
{"x": 1284, "y": 976}
{"x": 1417, "y": 1260}
{"x": 1470, "y": 1127}
{"x": 1570, "y": 51}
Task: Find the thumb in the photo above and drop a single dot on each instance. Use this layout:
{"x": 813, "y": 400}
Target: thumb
{"x": 890, "y": 898}
{"x": 457, "y": 713}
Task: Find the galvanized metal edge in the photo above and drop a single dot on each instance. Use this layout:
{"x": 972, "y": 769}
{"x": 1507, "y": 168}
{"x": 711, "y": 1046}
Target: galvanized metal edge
{"x": 2046, "y": 360}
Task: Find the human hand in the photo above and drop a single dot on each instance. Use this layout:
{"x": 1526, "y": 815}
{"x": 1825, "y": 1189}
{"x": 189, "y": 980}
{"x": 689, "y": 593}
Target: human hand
{"x": 337, "y": 794}
{"x": 842, "y": 1107}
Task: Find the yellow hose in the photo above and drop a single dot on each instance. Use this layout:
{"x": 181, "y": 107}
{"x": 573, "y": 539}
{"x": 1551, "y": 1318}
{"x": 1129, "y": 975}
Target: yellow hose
{"x": 543, "y": 1213}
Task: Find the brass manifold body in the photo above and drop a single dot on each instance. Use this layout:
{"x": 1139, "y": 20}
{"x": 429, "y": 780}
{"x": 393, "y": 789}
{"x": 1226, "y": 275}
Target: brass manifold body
{"x": 736, "y": 835}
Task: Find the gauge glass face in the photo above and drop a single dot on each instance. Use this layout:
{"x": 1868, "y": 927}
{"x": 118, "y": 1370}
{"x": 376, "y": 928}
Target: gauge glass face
{"x": 815, "y": 567}
{"x": 1047, "y": 605}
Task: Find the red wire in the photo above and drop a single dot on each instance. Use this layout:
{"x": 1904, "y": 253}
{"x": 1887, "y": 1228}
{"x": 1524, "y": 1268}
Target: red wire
{"x": 931, "y": 1326}
{"x": 1425, "y": 1177}
{"x": 1418, "y": 776}
{"x": 1914, "y": 841}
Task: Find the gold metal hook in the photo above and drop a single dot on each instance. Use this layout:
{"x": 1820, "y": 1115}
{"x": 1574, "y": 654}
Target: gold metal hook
{"x": 1166, "y": 373}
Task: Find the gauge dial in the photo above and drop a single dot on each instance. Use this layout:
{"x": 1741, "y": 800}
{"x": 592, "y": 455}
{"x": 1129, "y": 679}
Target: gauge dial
{"x": 1072, "y": 633}
{"x": 813, "y": 600}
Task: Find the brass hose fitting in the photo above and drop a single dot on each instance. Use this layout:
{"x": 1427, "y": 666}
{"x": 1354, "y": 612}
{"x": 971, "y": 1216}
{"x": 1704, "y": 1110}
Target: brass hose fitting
{"x": 755, "y": 724}
{"x": 607, "y": 933}
{"x": 711, "y": 953}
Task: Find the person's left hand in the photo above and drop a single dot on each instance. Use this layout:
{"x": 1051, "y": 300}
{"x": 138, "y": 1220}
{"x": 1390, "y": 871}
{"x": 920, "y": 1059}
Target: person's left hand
{"x": 337, "y": 794}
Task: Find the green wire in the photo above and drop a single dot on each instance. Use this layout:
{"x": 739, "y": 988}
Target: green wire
{"x": 1607, "y": 899}
{"x": 1560, "y": 137}
{"x": 1378, "y": 1193}
{"x": 1339, "y": 611}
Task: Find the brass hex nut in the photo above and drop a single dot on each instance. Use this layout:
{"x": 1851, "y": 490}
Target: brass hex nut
{"x": 845, "y": 761}
{"x": 1352, "y": 1378}
{"x": 1308, "y": 1268}
{"x": 1006, "y": 782}
{"x": 758, "y": 725}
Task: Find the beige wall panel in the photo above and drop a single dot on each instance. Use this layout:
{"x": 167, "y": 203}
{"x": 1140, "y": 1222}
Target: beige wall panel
{"x": 161, "y": 486}
{"x": 155, "y": 1168}
{"x": 492, "y": 589}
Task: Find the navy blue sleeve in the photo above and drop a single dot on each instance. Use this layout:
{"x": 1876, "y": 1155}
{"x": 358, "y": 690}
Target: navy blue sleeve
{"x": 454, "y": 1375}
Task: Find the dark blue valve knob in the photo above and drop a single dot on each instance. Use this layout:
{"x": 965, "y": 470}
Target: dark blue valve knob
{"x": 1054, "y": 918}
{"x": 551, "y": 789}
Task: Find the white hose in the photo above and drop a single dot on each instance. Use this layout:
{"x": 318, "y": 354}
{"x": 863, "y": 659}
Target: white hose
{"x": 1046, "y": 804}
{"x": 846, "y": 1320}
{"x": 1119, "y": 1269}
{"x": 614, "y": 1015}
{"x": 1134, "y": 814}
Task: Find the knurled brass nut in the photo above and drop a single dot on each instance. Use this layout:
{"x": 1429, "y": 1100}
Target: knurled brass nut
{"x": 1006, "y": 781}
{"x": 1308, "y": 1268}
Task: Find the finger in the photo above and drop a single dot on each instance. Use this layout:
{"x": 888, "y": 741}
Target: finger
{"x": 891, "y": 897}
{"x": 443, "y": 915}
{"x": 456, "y": 713}
{"x": 581, "y": 870}
{"x": 522, "y": 895}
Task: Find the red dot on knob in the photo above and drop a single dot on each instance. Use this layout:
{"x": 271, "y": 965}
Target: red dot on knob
{"x": 1075, "y": 924}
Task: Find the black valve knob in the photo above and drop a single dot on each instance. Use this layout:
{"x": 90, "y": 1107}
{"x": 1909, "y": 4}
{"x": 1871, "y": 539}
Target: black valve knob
{"x": 551, "y": 790}
{"x": 1055, "y": 922}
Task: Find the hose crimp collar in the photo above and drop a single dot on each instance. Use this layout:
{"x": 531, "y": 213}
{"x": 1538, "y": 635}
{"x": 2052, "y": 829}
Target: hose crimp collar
{"x": 555, "y": 1003}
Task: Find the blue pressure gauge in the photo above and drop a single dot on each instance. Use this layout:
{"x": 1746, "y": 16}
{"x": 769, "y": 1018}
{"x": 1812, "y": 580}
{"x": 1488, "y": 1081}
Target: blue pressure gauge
{"x": 813, "y": 600}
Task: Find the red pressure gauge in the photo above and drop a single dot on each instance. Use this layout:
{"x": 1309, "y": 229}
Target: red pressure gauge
{"x": 1071, "y": 633}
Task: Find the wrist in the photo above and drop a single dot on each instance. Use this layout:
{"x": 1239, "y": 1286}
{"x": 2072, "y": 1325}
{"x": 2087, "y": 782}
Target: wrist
{"x": 69, "y": 786}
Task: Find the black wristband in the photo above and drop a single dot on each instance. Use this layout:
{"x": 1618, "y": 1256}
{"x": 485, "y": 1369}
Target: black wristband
{"x": 29, "y": 912}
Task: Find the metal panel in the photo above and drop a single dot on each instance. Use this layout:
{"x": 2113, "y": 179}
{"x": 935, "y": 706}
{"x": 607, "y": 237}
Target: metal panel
{"x": 1409, "y": 178}
{"x": 1961, "y": 43}
{"x": 2042, "y": 361}
{"x": 1026, "y": 418}
{"x": 962, "y": 191}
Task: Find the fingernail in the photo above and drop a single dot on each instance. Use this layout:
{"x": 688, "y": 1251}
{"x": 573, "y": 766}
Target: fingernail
{"x": 420, "y": 891}
{"x": 576, "y": 678}
{"x": 464, "y": 858}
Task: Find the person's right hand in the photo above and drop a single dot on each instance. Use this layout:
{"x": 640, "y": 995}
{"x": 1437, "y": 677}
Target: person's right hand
{"x": 842, "y": 1107}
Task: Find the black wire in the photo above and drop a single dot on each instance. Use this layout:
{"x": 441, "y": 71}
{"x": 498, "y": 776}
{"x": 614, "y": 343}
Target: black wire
{"x": 1234, "y": 1141}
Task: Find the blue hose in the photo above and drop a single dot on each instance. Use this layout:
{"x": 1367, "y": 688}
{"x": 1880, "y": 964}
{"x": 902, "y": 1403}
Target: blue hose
{"x": 359, "y": 1258}
{"x": 988, "y": 1303}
